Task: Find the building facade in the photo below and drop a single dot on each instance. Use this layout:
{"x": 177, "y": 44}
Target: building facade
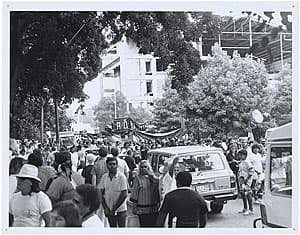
{"x": 133, "y": 74}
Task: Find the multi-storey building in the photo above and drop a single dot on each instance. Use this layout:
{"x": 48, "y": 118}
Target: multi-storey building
{"x": 135, "y": 75}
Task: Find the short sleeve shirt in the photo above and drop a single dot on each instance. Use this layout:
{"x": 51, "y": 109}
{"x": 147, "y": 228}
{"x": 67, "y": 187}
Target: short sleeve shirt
{"x": 99, "y": 169}
{"x": 27, "y": 210}
{"x": 246, "y": 168}
{"x": 122, "y": 166}
{"x": 61, "y": 189}
{"x": 112, "y": 189}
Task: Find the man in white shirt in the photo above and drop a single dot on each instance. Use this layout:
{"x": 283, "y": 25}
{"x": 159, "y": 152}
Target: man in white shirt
{"x": 114, "y": 191}
{"x": 122, "y": 165}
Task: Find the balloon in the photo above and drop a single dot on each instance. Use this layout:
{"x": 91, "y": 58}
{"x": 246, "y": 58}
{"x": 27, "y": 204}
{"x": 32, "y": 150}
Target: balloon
{"x": 257, "y": 116}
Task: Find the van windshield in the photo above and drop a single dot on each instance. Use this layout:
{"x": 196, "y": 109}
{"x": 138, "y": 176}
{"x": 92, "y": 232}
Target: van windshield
{"x": 201, "y": 162}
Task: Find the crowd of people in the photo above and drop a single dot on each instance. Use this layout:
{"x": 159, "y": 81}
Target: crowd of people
{"x": 93, "y": 184}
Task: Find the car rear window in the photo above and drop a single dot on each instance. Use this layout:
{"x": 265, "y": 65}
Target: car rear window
{"x": 201, "y": 162}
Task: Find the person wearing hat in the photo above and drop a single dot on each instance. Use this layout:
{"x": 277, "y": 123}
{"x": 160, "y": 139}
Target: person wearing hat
{"x": 60, "y": 188}
{"x": 29, "y": 206}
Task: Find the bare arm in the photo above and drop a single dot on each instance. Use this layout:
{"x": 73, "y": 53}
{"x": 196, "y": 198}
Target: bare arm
{"x": 94, "y": 180}
{"x": 47, "y": 218}
{"x": 105, "y": 207}
{"x": 121, "y": 199}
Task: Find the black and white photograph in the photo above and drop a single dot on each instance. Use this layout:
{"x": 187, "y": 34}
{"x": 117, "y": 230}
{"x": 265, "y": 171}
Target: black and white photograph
{"x": 150, "y": 117}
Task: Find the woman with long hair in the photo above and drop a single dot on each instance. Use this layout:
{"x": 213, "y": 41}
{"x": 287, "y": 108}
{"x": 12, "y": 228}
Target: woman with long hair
{"x": 29, "y": 206}
{"x": 233, "y": 160}
{"x": 15, "y": 166}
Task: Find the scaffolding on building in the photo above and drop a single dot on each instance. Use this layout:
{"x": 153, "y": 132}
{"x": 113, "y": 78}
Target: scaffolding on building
{"x": 260, "y": 40}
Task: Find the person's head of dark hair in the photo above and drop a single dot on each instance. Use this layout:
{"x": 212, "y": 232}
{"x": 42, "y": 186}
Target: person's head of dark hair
{"x": 102, "y": 152}
{"x": 35, "y": 187}
{"x": 63, "y": 148}
{"x": 90, "y": 195}
{"x": 111, "y": 159}
{"x": 184, "y": 179}
{"x": 255, "y": 146}
{"x": 70, "y": 212}
{"x": 114, "y": 151}
{"x": 35, "y": 159}
{"x": 63, "y": 159}
{"x": 38, "y": 152}
{"x": 78, "y": 147}
{"x": 22, "y": 151}
{"x": 53, "y": 149}
{"x": 243, "y": 152}
{"x": 15, "y": 165}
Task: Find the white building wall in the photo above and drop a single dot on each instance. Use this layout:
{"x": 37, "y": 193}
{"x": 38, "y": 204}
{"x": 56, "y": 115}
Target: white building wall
{"x": 132, "y": 81}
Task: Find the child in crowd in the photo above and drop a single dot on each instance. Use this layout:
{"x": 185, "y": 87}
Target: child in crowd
{"x": 246, "y": 171}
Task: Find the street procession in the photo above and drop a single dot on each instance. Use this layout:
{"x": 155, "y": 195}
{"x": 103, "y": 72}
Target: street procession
{"x": 159, "y": 119}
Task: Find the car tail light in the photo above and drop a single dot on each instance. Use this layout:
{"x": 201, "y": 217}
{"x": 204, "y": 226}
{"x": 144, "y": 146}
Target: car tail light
{"x": 232, "y": 182}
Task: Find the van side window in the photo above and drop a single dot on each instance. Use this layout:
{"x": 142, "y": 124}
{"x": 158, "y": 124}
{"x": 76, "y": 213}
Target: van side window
{"x": 281, "y": 170}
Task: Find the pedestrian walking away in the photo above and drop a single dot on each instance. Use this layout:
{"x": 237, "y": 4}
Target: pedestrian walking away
{"x": 185, "y": 204}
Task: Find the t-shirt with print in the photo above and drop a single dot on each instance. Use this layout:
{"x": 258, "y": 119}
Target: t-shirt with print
{"x": 27, "y": 210}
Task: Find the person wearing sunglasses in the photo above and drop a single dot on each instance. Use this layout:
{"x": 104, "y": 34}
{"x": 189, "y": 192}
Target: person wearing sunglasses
{"x": 145, "y": 195}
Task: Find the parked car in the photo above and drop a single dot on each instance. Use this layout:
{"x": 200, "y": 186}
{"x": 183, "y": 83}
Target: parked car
{"x": 212, "y": 176}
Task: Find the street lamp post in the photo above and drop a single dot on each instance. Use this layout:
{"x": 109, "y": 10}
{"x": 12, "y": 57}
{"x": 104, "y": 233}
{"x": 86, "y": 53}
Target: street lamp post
{"x": 115, "y": 104}
{"x": 45, "y": 91}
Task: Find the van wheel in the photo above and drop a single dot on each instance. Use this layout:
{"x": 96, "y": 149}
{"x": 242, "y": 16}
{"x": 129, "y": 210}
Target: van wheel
{"x": 216, "y": 207}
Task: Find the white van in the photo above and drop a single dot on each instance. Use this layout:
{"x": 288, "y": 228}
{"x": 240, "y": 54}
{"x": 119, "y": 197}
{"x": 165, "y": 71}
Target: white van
{"x": 276, "y": 206}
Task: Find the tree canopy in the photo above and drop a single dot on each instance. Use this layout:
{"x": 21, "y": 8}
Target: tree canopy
{"x": 220, "y": 99}
{"x": 169, "y": 36}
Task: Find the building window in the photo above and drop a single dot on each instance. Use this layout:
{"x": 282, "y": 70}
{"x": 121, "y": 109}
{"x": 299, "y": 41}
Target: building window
{"x": 148, "y": 68}
{"x": 149, "y": 87}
